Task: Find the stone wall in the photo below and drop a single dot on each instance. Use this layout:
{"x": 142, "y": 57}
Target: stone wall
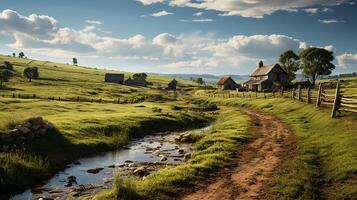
{"x": 31, "y": 128}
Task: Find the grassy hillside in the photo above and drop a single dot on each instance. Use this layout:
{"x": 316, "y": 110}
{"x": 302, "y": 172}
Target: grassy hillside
{"x": 69, "y": 81}
{"x": 82, "y": 128}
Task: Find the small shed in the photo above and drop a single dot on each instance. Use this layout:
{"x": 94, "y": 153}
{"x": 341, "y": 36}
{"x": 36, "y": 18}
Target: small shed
{"x": 172, "y": 85}
{"x": 227, "y": 83}
{"x": 133, "y": 82}
{"x": 114, "y": 78}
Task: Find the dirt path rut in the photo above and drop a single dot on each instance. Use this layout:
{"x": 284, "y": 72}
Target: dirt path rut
{"x": 256, "y": 163}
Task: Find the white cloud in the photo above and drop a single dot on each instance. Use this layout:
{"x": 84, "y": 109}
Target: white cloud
{"x": 95, "y": 22}
{"x": 347, "y": 60}
{"x": 198, "y": 52}
{"x": 198, "y": 14}
{"x": 330, "y": 21}
{"x": 247, "y": 8}
{"x": 311, "y": 10}
{"x": 202, "y": 20}
{"x": 149, "y": 2}
{"x": 161, "y": 14}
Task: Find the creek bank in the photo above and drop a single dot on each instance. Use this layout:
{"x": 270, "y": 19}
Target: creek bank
{"x": 139, "y": 158}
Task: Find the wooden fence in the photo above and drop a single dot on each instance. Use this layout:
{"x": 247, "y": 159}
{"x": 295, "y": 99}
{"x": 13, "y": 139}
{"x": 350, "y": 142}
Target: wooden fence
{"x": 77, "y": 98}
{"x": 337, "y": 101}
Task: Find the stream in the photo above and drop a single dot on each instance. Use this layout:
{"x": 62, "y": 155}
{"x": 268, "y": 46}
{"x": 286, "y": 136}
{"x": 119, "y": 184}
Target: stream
{"x": 88, "y": 176}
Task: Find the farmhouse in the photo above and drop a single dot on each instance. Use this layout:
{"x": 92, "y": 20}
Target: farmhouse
{"x": 134, "y": 82}
{"x": 114, "y": 78}
{"x": 266, "y": 77}
{"x": 172, "y": 85}
{"x": 227, "y": 83}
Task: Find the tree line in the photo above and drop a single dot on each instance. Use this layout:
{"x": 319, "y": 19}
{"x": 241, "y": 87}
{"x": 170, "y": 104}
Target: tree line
{"x": 312, "y": 61}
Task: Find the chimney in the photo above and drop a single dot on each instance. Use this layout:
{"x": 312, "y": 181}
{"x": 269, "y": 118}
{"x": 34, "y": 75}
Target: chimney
{"x": 260, "y": 64}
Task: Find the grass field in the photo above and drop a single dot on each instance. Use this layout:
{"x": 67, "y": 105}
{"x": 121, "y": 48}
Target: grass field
{"x": 212, "y": 151}
{"x": 83, "y": 128}
{"x": 67, "y": 81}
{"x": 326, "y": 164}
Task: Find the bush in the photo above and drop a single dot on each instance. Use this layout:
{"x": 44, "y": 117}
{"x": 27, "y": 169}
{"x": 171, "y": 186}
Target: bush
{"x": 156, "y": 110}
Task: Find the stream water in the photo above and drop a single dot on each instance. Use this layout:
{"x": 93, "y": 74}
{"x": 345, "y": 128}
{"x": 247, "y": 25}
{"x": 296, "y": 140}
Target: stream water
{"x": 155, "y": 151}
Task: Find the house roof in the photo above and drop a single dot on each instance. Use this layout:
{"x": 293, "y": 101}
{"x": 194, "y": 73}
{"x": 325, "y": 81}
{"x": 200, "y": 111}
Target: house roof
{"x": 265, "y": 69}
{"x": 223, "y": 80}
{"x": 255, "y": 82}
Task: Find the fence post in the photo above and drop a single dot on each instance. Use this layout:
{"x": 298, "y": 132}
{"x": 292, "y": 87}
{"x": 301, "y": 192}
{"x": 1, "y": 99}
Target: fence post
{"x": 318, "y": 100}
{"x": 243, "y": 95}
{"x": 78, "y": 98}
{"x": 308, "y": 100}
{"x": 293, "y": 93}
{"x": 256, "y": 94}
{"x": 336, "y": 103}
{"x": 299, "y": 92}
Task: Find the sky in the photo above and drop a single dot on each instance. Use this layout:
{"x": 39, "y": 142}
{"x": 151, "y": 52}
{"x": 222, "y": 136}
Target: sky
{"x": 178, "y": 36}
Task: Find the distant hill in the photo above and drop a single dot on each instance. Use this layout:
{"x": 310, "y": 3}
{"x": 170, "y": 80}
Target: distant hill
{"x": 209, "y": 78}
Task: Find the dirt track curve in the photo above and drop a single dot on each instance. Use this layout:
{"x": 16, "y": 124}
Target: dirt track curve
{"x": 256, "y": 163}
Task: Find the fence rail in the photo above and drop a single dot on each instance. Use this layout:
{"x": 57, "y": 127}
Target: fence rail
{"x": 337, "y": 101}
{"x": 77, "y": 98}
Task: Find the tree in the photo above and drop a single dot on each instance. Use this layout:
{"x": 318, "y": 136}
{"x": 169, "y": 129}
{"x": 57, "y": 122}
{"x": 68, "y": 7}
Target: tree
{"x": 140, "y": 76}
{"x": 21, "y": 55}
{"x": 5, "y": 75}
{"x": 31, "y": 73}
{"x": 7, "y": 65}
{"x": 13, "y": 54}
{"x": 75, "y": 61}
{"x": 290, "y": 63}
{"x": 200, "y": 81}
{"x": 316, "y": 62}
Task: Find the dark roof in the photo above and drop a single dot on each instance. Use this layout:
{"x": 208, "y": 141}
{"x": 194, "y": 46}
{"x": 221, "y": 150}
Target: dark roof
{"x": 114, "y": 75}
{"x": 255, "y": 82}
{"x": 173, "y": 82}
{"x": 265, "y": 69}
{"x": 223, "y": 80}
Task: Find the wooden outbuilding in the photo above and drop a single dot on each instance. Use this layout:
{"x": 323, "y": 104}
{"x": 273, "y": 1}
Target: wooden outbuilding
{"x": 133, "y": 82}
{"x": 227, "y": 83}
{"x": 172, "y": 85}
{"x": 114, "y": 78}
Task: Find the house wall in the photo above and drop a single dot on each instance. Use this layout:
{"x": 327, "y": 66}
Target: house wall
{"x": 275, "y": 73}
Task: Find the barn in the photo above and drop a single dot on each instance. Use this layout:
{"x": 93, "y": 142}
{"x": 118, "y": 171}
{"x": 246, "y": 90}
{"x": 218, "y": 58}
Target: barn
{"x": 227, "y": 83}
{"x": 114, "y": 78}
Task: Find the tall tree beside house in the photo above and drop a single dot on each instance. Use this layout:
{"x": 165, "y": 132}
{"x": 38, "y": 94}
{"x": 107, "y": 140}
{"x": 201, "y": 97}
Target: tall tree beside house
{"x": 5, "y": 76}
{"x": 290, "y": 63}
{"x": 75, "y": 61}
{"x": 200, "y": 81}
{"x": 31, "y": 73}
{"x": 316, "y": 62}
{"x": 13, "y": 54}
{"x": 140, "y": 76}
{"x": 21, "y": 55}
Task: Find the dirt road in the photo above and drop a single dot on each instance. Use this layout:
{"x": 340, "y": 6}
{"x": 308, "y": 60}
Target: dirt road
{"x": 256, "y": 163}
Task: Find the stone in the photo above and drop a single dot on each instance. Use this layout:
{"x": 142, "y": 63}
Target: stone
{"x": 187, "y": 156}
{"x": 95, "y": 170}
{"x": 12, "y": 132}
{"x": 42, "y": 131}
{"x": 27, "y": 124}
{"x": 140, "y": 171}
{"x": 36, "y": 120}
{"x": 35, "y": 127}
{"x": 24, "y": 129}
{"x": 163, "y": 158}
{"x": 181, "y": 151}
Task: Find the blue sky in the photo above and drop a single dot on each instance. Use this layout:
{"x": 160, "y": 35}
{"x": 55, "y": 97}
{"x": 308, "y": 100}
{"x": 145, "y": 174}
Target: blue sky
{"x": 178, "y": 36}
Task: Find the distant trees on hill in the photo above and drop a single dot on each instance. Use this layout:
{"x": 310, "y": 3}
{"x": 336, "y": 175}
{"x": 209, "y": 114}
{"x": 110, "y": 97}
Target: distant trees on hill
{"x": 140, "y": 76}
{"x": 21, "y": 54}
{"x": 31, "y": 73}
{"x": 75, "y": 61}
